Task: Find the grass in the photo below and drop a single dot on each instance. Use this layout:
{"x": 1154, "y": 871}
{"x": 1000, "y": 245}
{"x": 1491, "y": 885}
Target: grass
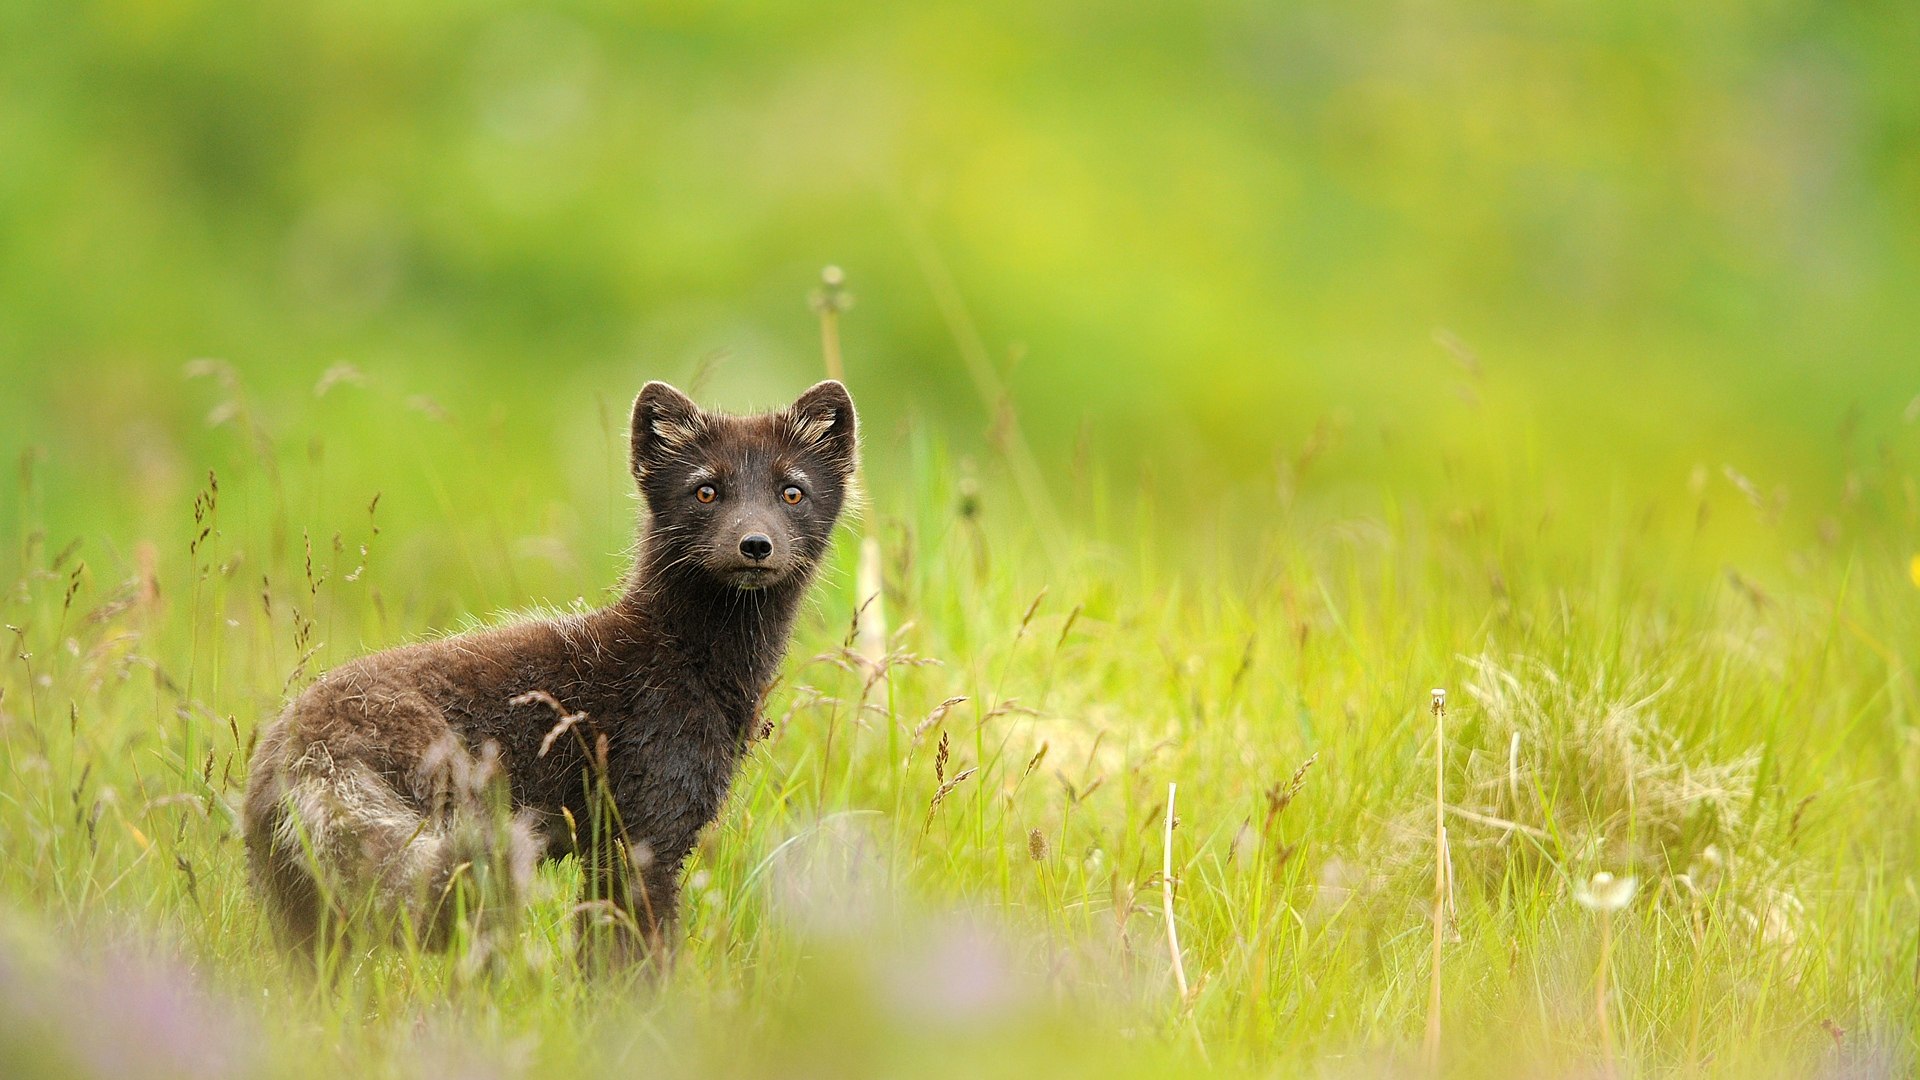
{"x": 956, "y": 867}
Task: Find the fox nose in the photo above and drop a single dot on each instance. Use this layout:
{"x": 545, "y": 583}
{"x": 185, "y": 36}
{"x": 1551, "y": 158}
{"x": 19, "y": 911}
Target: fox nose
{"x": 756, "y": 546}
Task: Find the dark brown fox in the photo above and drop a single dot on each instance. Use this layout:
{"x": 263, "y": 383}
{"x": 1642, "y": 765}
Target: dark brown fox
{"x": 613, "y": 734}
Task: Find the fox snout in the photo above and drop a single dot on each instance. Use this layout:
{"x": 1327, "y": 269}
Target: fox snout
{"x": 754, "y": 551}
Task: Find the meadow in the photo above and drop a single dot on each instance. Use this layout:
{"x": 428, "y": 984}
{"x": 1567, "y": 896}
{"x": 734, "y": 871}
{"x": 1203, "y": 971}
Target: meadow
{"x": 1231, "y": 377}
{"x": 951, "y": 862}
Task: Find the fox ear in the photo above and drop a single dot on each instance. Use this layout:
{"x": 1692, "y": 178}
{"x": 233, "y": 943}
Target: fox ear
{"x": 823, "y": 421}
{"x": 664, "y": 420}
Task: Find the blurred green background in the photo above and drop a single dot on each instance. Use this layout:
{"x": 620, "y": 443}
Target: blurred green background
{"x": 1640, "y": 238}
{"x": 1366, "y": 347}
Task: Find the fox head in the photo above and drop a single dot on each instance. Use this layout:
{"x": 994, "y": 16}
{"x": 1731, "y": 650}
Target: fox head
{"x": 748, "y": 502}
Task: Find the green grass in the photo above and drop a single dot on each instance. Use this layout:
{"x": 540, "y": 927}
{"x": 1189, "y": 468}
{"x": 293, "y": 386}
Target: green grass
{"x": 1557, "y": 355}
{"x": 1686, "y": 683}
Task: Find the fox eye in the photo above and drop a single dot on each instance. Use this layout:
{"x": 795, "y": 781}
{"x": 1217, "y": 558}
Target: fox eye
{"x": 792, "y": 495}
{"x": 706, "y": 493}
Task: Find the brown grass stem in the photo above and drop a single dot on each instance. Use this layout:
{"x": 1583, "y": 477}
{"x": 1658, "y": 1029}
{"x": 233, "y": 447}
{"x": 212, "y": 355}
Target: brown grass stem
{"x": 1173, "y": 930}
{"x": 1431, "y": 1049}
{"x": 987, "y": 382}
{"x": 1608, "y": 1066}
{"x": 869, "y": 585}
{"x": 1166, "y": 898}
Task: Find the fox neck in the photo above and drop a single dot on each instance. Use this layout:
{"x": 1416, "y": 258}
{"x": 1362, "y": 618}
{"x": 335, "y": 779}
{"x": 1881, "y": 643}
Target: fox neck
{"x": 735, "y": 638}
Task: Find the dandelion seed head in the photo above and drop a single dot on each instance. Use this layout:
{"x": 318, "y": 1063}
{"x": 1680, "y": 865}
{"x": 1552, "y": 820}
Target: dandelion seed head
{"x": 1604, "y": 892}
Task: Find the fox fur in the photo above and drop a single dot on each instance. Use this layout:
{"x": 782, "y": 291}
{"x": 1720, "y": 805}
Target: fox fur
{"x": 415, "y": 787}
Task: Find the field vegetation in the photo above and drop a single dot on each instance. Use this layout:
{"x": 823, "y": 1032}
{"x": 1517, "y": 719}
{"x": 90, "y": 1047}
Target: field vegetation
{"x": 1232, "y": 376}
